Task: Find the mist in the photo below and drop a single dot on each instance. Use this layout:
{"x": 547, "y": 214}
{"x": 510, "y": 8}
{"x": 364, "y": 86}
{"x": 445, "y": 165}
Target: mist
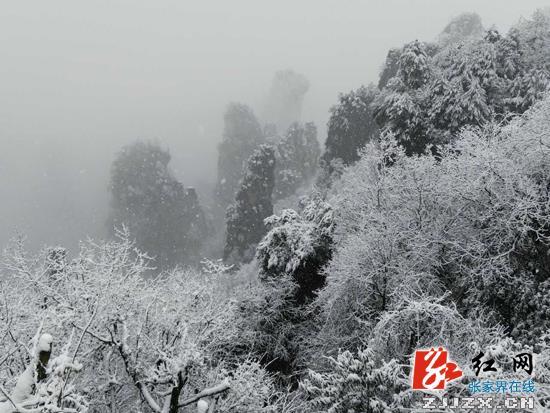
{"x": 78, "y": 80}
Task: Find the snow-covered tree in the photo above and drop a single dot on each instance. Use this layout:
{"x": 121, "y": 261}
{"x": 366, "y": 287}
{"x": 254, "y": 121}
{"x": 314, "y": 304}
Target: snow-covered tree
{"x": 429, "y": 92}
{"x": 465, "y": 90}
{"x": 533, "y": 36}
{"x": 297, "y": 247}
{"x": 44, "y": 384}
{"x": 129, "y": 343}
{"x": 274, "y": 319}
{"x": 414, "y": 67}
{"x": 436, "y": 249}
{"x": 401, "y": 107}
{"x": 470, "y": 223}
{"x": 528, "y": 88}
{"x": 253, "y": 203}
{"x": 400, "y": 111}
{"x": 355, "y": 383}
{"x": 350, "y": 127}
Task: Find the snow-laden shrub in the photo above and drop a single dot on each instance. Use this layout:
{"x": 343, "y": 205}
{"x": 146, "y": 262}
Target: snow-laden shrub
{"x": 297, "y": 246}
{"x": 144, "y": 344}
{"x": 355, "y": 383}
{"x": 268, "y": 326}
{"x": 426, "y": 323}
{"x": 251, "y": 389}
{"x": 45, "y": 385}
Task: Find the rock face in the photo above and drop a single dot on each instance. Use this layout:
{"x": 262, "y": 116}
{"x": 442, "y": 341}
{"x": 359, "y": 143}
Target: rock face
{"x": 253, "y": 203}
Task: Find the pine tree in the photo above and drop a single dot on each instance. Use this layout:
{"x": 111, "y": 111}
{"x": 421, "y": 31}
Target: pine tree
{"x": 298, "y": 246}
{"x": 528, "y": 88}
{"x": 242, "y": 134}
{"x": 355, "y": 383}
{"x": 414, "y": 67}
{"x": 400, "y": 111}
{"x": 400, "y": 108}
{"x": 462, "y": 94}
{"x": 350, "y": 127}
{"x": 291, "y": 257}
{"x": 245, "y": 218}
{"x": 165, "y": 218}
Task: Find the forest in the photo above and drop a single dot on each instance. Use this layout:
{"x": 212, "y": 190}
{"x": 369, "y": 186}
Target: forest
{"x": 319, "y": 264}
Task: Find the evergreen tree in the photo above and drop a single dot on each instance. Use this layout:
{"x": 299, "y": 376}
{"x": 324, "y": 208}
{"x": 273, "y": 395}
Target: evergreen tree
{"x": 414, "y": 68}
{"x": 245, "y": 218}
{"x": 198, "y": 225}
{"x": 350, "y": 127}
{"x": 400, "y": 107}
{"x": 468, "y": 80}
{"x": 242, "y": 134}
{"x": 401, "y": 112}
{"x": 165, "y": 218}
{"x": 276, "y": 320}
{"x": 465, "y": 91}
{"x": 529, "y": 88}
{"x": 298, "y": 246}
{"x": 355, "y": 383}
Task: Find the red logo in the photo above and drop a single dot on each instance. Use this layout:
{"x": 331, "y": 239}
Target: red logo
{"x": 433, "y": 369}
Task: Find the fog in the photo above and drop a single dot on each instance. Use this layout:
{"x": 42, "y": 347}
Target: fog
{"x": 80, "y": 79}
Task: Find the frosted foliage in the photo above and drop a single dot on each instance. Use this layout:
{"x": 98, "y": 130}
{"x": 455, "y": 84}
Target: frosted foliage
{"x": 431, "y": 91}
{"x": 413, "y": 65}
{"x": 119, "y": 338}
{"x": 293, "y": 236}
{"x": 350, "y": 127}
{"x": 44, "y": 385}
{"x": 449, "y": 248}
{"x": 298, "y": 246}
{"x": 356, "y": 384}
{"x": 453, "y": 224}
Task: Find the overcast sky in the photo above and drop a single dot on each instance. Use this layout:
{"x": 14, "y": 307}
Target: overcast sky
{"x": 78, "y": 79}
